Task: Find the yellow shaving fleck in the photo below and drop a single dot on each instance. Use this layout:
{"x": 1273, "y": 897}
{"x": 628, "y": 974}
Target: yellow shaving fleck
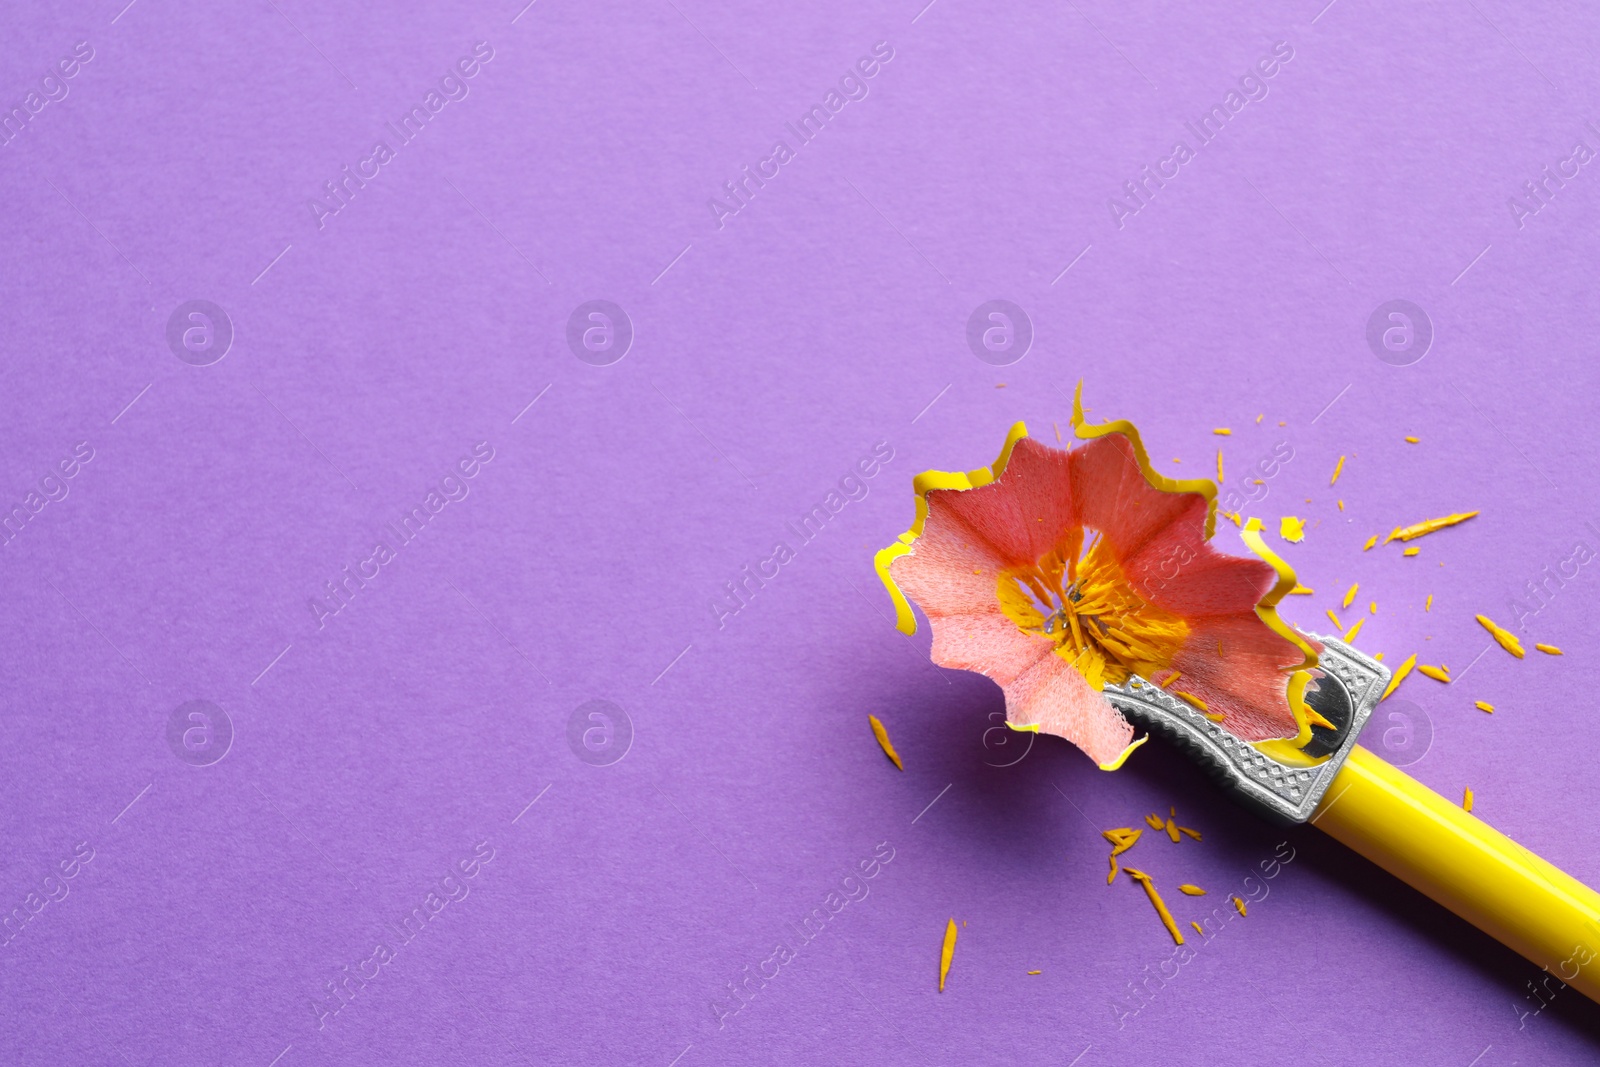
{"x": 1340, "y": 503}
{"x": 1374, "y": 609}
{"x": 1058, "y": 432}
{"x": 1214, "y": 716}
{"x": 1172, "y": 831}
{"x": 1370, "y": 542}
{"x": 1350, "y": 634}
{"x": 1197, "y": 928}
{"x": 1550, "y": 650}
{"x": 1035, "y": 972}
{"x": 1219, "y": 464}
{"x": 1466, "y": 799}
{"x": 1192, "y": 833}
{"x": 1350, "y": 597}
{"x": 1173, "y": 677}
{"x": 1122, "y": 839}
{"x": 1427, "y": 527}
{"x": 1155, "y": 899}
{"x": 1427, "y": 605}
{"x": 1337, "y": 467}
{"x": 1412, "y": 551}
{"x": 1506, "y": 639}
{"x": 1233, "y": 516}
{"x": 1399, "y": 676}
{"x": 1378, "y": 656}
{"x": 1191, "y": 698}
{"x": 1438, "y": 674}
{"x": 1155, "y": 822}
{"x": 1238, "y": 905}
{"x": 1300, "y": 590}
{"x": 1191, "y": 890}
{"x": 1260, "y": 417}
{"x": 1483, "y": 705}
{"x": 1334, "y": 619}
{"x": 883, "y": 741}
{"x": 1411, "y": 440}
{"x": 1223, "y": 431}
{"x": 947, "y": 952}
{"x": 1292, "y": 529}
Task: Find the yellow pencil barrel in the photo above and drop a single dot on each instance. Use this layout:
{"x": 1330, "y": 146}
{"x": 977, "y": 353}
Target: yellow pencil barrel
{"x": 1471, "y": 868}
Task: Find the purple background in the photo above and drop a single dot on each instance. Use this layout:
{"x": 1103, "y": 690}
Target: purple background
{"x": 372, "y": 753}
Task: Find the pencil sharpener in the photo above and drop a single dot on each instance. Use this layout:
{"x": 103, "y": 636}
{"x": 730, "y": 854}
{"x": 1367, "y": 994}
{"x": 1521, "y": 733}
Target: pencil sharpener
{"x": 1346, "y": 685}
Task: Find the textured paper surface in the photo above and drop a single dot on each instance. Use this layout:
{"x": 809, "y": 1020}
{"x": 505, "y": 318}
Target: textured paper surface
{"x": 375, "y": 757}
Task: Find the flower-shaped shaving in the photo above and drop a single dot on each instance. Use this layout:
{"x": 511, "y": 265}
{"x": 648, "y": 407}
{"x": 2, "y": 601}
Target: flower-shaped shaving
{"x": 1057, "y": 572}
